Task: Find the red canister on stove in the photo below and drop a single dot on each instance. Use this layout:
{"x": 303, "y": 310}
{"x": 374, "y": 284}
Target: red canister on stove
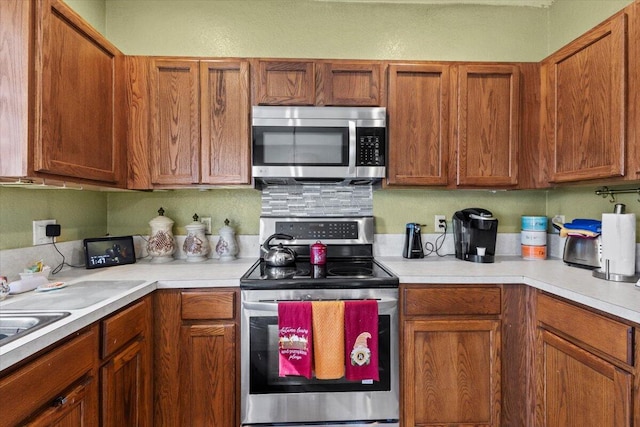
{"x": 318, "y": 253}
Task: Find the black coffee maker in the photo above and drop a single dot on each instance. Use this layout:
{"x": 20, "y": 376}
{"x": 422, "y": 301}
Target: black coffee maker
{"x": 412, "y": 242}
{"x": 475, "y": 231}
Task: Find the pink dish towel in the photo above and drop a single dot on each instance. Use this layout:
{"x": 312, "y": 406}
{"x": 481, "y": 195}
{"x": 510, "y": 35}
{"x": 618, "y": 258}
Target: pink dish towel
{"x": 295, "y": 339}
{"x": 361, "y": 340}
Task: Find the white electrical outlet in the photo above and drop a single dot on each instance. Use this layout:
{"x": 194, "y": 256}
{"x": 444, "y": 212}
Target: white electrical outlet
{"x": 40, "y": 232}
{"x": 207, "y": 224}
{"x": 440, "y": 223}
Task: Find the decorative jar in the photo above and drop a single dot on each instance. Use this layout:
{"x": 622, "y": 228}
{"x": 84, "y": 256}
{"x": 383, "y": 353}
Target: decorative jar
{"x": 161, "y": 245}
{"x": 227, "y": 248}
{"x": 196, "y": 245}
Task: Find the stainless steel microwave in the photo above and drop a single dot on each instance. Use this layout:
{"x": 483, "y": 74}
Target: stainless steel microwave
{"x": 318, "y": 143}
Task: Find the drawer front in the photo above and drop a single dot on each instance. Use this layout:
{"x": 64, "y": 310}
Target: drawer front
{"x": 463, "y": 300}
{"x": 609, "y": 336}
{"x": 47, "y": 377}
{"x": 208, "y": 305}
{"x": 124, "y": 326}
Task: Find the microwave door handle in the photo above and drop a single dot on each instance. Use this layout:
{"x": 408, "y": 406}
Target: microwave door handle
{"x": 352, "y": 149}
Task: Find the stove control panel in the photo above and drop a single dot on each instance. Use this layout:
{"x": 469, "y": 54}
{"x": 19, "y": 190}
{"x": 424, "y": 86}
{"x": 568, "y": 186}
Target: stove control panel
{"x": 329, "y": 230}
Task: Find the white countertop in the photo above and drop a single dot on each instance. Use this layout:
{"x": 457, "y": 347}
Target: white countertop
{"x": 575, "y": 284}
{"x": 122, "y": 285}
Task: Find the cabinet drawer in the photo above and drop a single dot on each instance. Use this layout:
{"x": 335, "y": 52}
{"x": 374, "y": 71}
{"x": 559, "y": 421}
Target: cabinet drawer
{"x": 200, "y": 305}
{"x": 462, "y": 300}
{"x": 609, "y": 336}
{"x": 122, "y": 327}
{"x": 38, "y": 383}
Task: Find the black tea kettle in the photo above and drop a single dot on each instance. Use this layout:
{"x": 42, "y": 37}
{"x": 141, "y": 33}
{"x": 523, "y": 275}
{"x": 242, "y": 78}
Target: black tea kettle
{"x": 413, "y": 242}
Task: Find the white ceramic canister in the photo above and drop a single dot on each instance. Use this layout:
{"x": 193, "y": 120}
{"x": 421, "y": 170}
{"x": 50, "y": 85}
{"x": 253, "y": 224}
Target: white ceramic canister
{"x": 533, "y": 238}
{"x": 227, "y": 248}
{"x": 533, "y": 223}
{"x": 161, "y": 245}
{"x": 196, "y": 245}
{"x": 534, "y": 252}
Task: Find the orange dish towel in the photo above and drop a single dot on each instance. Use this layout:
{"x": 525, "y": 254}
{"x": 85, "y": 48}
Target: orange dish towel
{"x": 328, "y": 339}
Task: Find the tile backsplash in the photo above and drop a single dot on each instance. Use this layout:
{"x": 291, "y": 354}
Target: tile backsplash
{"x": 317, "y": 200}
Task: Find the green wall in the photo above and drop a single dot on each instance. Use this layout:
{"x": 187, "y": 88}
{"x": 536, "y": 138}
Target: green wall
{"x": 93, "y": 11}
{"x": 568, "y": 19}
{"x": 321, "y": 29}
{"x": 305, "y": 28}
{"x": 80, "y": 213}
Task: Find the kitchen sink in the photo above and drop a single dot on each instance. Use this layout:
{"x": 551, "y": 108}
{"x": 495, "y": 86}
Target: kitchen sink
{"x": 16, "y": 324}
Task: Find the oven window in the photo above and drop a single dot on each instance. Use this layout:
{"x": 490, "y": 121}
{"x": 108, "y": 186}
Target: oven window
{"x": 263, "y": 375}
{"x": 313, "y": 146}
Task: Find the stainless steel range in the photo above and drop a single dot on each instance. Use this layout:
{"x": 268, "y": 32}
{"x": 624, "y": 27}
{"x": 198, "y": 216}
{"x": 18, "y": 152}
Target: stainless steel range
{"x": 351, "y": 273}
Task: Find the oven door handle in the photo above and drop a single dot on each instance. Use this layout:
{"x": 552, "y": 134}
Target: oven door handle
{"x": 272, "y": 305}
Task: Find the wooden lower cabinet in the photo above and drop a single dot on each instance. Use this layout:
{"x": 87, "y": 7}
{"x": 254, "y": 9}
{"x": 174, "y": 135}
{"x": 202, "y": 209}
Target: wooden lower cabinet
{"x": 77, "y": 408}
{"x": 57, "y": 388}
{"x": 101, "y": 376}
{"x": 196, "y": 358}
{"x": 585, "y": 367}
{"x": 451, "y": 370}
{"x": 208, "y": 376}
{"x": 126, "y": 376}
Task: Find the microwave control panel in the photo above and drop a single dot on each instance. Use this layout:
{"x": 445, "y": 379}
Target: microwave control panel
{"x": 370, "y": 146}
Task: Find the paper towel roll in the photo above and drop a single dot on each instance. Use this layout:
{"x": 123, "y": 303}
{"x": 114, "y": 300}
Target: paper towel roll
{"x": 619, "y": 243}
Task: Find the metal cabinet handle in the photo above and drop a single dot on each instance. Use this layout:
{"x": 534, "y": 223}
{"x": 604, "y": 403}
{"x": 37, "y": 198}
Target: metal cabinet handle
{"x": 59, "y": 401}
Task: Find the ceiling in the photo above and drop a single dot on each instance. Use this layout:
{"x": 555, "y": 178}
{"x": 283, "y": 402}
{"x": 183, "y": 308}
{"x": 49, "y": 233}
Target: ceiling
{"x": 529, "y": 3}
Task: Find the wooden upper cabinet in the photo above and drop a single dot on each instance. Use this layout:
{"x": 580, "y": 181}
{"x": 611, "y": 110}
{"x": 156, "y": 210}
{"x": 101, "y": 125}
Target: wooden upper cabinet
{"x": 225, "y": 110}
{"x": 348, "y": 83}
{"x": 318, "y": 82}
{"x": 79, "y": 130}
{"x": 487, "y": 126}
{"x": 418, "y": 110}
{"x": 584, "y": 89}
{"x": 285, "y": 82}
{"x": 175, "y": 122}
{"x": 188, "y": 122}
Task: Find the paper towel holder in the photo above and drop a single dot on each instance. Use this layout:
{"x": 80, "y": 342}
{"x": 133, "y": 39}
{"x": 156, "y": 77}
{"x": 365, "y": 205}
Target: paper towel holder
{"x": 613, "y": 277}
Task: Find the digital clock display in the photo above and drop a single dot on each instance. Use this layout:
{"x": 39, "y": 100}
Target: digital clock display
{"x": 108, "y": 251}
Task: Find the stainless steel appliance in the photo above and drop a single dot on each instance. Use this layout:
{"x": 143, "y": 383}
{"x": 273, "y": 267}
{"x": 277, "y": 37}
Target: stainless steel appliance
{"x": 350, "y": 273}
{"x": 332, "y": 144}
{"x": 475, "y": 231}
{"x": 583, "y": 252}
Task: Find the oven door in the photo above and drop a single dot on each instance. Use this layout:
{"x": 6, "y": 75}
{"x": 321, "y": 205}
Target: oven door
{"x": 268, "y": 398}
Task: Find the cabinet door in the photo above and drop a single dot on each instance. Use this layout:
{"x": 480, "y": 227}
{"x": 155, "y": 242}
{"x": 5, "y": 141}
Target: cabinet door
{"x": 49, "y": 380}
{"x": 78, "y": 408}
{"x": 576, "y": 388}
{"x": 348, "y": 84}
{"x": 225, "y": 97}
{"x": 208, "y": 375}
{"x": 286, "y": 82}
{"x": 175, "y": 122}
{"x": 418, "y": 111}
{"x": 451, "y": 372}
{"x": 487, "y": 127}
{"x": 584, "y": 95}
{"x": 79, "y": 131}
{"x": 126, "y": 377}
{"x": 123, "y": 394}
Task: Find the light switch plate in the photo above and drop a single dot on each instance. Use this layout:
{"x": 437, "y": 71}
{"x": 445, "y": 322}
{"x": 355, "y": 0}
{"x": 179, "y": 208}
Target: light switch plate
{"x": 207, "y": 224}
